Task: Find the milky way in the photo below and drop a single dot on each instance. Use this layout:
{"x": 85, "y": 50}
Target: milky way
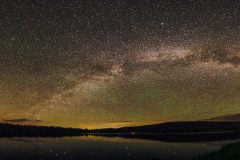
{"x": 95, "y": 64}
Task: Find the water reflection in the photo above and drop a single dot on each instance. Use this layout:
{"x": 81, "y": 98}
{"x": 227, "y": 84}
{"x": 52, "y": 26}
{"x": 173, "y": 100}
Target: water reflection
{"x": 91, "y": 147}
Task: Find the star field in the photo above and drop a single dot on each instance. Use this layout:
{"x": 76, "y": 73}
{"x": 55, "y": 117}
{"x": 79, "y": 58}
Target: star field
{"x": 94, "y": 64}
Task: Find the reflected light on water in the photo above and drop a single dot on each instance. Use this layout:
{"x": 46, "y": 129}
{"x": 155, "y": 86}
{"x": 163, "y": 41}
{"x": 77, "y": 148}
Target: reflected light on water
{"x": 96, "y": 147}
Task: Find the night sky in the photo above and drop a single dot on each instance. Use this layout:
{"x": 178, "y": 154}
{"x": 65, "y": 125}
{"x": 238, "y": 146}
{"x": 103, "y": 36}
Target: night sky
{"x": 113, "y": 63}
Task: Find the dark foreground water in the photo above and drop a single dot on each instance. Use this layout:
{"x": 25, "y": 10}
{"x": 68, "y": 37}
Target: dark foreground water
{"x": 102, "y": 148}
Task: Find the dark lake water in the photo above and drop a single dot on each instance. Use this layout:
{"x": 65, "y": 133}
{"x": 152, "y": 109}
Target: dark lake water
{"x": 101, "y": 148}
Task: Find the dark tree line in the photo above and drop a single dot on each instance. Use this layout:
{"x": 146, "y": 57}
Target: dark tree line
{"x": 38, "y": 131}
{"x": 10, "y": 130}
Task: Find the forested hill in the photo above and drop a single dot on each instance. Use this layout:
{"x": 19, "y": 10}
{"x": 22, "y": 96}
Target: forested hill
{"x": 179, "y": 127}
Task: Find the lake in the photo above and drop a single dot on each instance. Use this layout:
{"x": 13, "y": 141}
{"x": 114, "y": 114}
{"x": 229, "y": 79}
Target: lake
{"x": 102, "y": 148}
